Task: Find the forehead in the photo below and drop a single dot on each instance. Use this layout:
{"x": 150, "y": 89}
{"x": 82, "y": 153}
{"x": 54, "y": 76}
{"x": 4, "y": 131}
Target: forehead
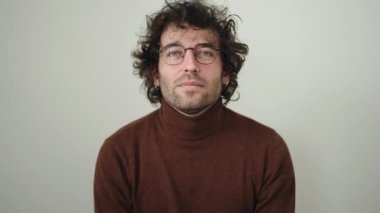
{"x": 188, "y": 36}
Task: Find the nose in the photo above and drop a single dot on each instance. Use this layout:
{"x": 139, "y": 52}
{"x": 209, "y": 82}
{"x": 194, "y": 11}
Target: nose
{"x": 190, "y": 63}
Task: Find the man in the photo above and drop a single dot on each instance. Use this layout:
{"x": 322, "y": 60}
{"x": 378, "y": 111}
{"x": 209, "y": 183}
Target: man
{"x": 193, "y": 154}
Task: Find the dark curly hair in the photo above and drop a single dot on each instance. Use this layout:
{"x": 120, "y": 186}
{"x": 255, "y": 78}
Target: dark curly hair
{"x": 193, "y": 13}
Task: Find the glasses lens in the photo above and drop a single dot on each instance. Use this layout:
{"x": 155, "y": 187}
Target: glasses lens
{"x": 205, "y": 55}
{"x": 173, "y": 54}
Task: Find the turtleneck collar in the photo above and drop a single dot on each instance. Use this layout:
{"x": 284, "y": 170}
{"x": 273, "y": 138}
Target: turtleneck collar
{"x": 183, "y": 127}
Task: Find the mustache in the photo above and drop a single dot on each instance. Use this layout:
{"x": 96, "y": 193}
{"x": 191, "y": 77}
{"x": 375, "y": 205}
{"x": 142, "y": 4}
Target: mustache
{"x": 186, "y": 77}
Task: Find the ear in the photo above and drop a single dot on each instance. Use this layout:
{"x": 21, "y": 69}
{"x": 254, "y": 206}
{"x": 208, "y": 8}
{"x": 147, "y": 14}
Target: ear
{"x": 156, "y": 78}
{"x": 226, "y": 79}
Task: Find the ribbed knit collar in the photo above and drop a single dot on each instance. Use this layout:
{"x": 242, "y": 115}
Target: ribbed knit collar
{"x": 179, "y": 126}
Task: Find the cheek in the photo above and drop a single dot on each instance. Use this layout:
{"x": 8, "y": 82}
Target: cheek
{"x": 164, "y": 80}
{"x": 160, "y": 73}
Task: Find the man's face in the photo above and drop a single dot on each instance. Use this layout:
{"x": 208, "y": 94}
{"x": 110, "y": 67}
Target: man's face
{"x": 190, "y": 87}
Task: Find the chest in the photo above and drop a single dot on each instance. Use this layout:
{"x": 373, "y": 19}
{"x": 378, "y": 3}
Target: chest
{"x": 213, "y": 178}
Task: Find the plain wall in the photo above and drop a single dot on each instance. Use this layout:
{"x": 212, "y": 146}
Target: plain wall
{"x": 66, "y": 84}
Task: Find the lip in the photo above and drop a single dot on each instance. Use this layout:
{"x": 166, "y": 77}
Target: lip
{"x": 191, "y": 84}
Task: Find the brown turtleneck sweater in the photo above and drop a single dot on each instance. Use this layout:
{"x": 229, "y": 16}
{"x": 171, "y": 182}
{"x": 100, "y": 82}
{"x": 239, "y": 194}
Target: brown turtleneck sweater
{"x": 218, "y": 162}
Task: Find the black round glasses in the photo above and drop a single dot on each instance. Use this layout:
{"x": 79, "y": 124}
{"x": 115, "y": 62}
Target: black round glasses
{"x": 174, "y": 54}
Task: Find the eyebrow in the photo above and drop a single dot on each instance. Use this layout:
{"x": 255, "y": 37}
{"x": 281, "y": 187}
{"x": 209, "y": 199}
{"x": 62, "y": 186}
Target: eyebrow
{"x": 207, "y": 44}
{"x": 173, "y": 44}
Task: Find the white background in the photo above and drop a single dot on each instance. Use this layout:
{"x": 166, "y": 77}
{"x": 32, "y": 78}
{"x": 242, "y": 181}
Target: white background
{"x": 66, "y": 83}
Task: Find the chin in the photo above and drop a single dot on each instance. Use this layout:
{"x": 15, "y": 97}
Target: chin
{"x": 193, "y": 107}
{"x": 190, "y": 111}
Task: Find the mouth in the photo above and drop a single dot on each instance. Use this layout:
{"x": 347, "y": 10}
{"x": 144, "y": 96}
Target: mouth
{"x": 191, "y": 84}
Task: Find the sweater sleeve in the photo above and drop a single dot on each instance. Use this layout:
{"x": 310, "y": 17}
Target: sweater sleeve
{"x": 111, "y": 190}
{"x": 278, "y": 191}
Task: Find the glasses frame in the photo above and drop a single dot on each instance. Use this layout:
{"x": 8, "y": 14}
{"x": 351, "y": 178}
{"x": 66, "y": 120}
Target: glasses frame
{"x": 194, "y": 50}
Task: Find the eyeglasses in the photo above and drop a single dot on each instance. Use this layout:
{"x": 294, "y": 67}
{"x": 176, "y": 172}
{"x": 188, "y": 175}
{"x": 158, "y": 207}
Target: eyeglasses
{"x": 174, "y": 54}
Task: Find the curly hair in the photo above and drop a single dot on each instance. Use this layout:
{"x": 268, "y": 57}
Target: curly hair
{"x": 181, "y": 14}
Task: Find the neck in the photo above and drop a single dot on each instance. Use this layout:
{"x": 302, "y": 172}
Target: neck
{"x": 184, "y": 126}
{"x": 194, "y": 113}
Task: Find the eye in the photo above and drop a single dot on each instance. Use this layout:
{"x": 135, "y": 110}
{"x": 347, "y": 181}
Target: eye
{"x": 206, "y": 52}
{"x": 174, "y": 52}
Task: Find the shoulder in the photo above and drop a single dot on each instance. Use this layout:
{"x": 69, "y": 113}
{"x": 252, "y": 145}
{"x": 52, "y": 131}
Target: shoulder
{"x": 246, "y": 124}
{"x": 136, "y": 125}
{"x": 257, "y": 138}
{"x": 246, "y": 128}
{"x": 129, "y": 134}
